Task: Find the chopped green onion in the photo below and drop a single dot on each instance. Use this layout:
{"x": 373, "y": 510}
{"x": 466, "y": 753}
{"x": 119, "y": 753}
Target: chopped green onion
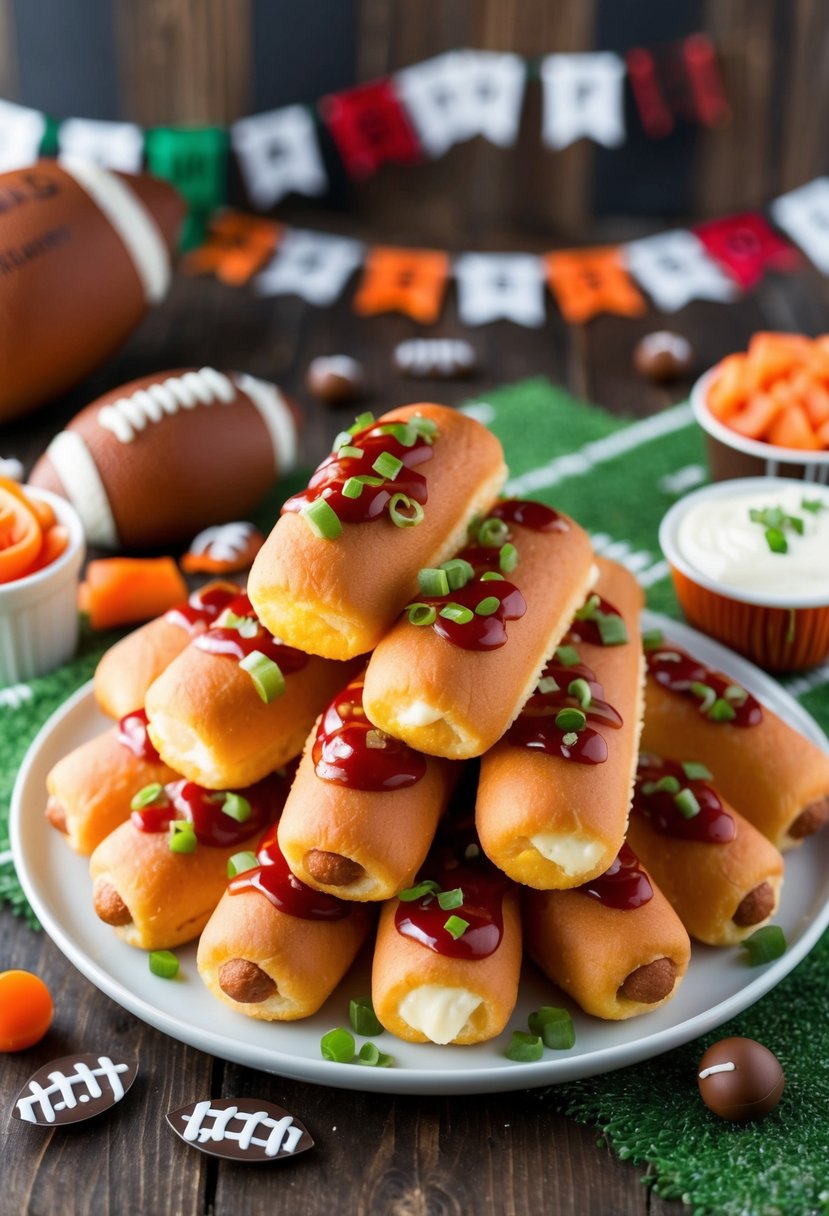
{"x": 547, "y": 684}
{"x": 458, "y": 571}
{"x": 492, "y": 576}
{"x": 387, "y": 466}
{"x": 570, "y": 738}
{"x": 268, "y": 680}
{"x": 451, "y": 899}
{"x": 721, "y": 711}
{"x": 568, "y": 656}
{"x": 507, "y": 558}
{"x": 363, "y": 1018}
{"x": 341, "y": 440}
{"x": 376, "y": 739}
{"x": 794, "y": 521}
{"x": 736, "y": 694}
{"x": 240, "y": 862}
{"x": 473, "y": 526}
{"x": 665, "y": 785}
{"x": 349, "y": 451}
{"x": 245, "y": 626}
{"x": 652, "y": 639}
{"x": 524, "y": 1048}
{"x": 554, "y": 1026}
{"x": 667, "y": 656}
{"x": 695, "y": 771}
{"x": 570, "y": 719}
{"x": 182, "y": 836}
{"x": 457, "y": 613}
{"x": 589, "y": 609}
{"x": 322, "y": 519}
{"x": 410, "y": 894}
{"x": 456, "y": 926}
{"x": 164, "y": 964}
{"x": 361, "y": 422}
{"x": 425, "y": 427}
{"x": 493, "y": 533}
{"x": 487, "y": 606}
{"x": 765, "y": 945}
{"x": 369, "y": 1055}
{"x": 776, "y": 541}
{"x": 812, "y": 504}
{"x": 405, "y": 435}
{"x": 147, "y": 796}
{"x": 404, "y": 512}
{"x": 421, "y": 614}
{"x": 612, "y": 629}
{"x": 471, "y": 851}
{"x": 337, "y": 1045}
{"x": 580, "y": 689}
{"x": 236, "y": 807}
{"x": 353, "y": 488}
{"x": 706, "y": 694}
{"x": 686, "y": 803}
{"x": 432, "y": 581}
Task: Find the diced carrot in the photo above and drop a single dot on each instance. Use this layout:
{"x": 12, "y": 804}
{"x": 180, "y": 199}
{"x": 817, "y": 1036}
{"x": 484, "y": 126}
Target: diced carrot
{"x": 772, "y": 356}
{"x": 728, "y": 390}
{"x": 756, "y": 417}
{"x": 815, "y": 400}
{"x": 126, "y": 590}
{"x": 792, "y": 429}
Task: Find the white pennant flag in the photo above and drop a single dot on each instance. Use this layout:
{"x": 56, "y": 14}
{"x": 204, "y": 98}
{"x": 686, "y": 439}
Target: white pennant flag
{"x": 278, "y": 153}
{"x": 495, "y": 92}
{"x": 583, "y": 96}
{"x": 313, "y": 265}
{"x": 500, "y": 286}
{"x": 804, "y": 215}
{"x": 674, "y": 268}
{"x": 21, "y": 133}
{"x": 115, "y": 145}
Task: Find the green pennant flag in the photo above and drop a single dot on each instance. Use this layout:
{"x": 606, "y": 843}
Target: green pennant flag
{"x": 194, "y": 160}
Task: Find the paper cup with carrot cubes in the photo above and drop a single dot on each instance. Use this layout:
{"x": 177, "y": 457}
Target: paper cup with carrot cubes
{"x": 750, "y": 564}
{"x": 766, "y": 410}
{"x": 41, "y": 551}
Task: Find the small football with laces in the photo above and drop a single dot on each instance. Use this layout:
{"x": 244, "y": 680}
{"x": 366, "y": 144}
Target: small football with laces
{"x": 152, "y": 462}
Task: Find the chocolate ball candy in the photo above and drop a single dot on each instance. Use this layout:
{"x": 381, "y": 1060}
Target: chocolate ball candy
{"x": 740, "y": 1079}
{"x": 663, "y": 357}
{"x": 335, "y": 379}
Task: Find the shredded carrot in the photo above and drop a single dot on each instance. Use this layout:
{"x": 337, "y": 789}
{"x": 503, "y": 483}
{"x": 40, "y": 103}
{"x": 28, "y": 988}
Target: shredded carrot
{"x": 21, "y": 535}
{"x": 126, "y": 590}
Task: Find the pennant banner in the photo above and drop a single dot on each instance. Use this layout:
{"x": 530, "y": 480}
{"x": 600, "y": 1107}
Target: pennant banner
{"x": 587, "y": 282}
{"x": 312, "y": 265}
{"x": 583, "y": 97}
{"x": 745, "y": 246}
{"x": 21, "y": 134}
{"x": 411, "y": 281}
{"x": 370, "y": 128}
{"x": 115, "y": 145}
{"x": 278, "y": 154}
{"x": 804, "y": 215}
{"x": 674, "y": 268}
{"x": 500, "y": 286}
{"x": 237, "y": 247}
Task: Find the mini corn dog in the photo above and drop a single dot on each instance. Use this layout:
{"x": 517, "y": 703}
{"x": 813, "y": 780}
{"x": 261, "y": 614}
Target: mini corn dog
{"x": 362, "y": 812}
{"x": 553, "y": 801}
{"x": 768, "y": 771}
{"x": 237, "y": 703}
{"x": 615, "y": 945}
{"x": 274, "y": 949}
{"x": 393, "y": 496}
{"x": 721, "y": 875}
{"x": 90, "y": 789}
{"x": 158, "y": 877}
{"x": 452, "y": 675}
{"x": 128, "y": 668}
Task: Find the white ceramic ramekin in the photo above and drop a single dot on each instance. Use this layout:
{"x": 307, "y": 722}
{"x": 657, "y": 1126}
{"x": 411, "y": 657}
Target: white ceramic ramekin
{"x": 39, "y": 613}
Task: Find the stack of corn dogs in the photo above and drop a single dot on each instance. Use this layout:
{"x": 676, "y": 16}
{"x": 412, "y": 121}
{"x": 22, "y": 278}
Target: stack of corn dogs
{"x": 435, "y": 704}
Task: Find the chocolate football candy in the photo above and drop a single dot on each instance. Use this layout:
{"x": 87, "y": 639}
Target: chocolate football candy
{"x": 156, "y": 460}
{"x": 84, "y": 254}
{"x": 335, "y": 379}
{"x": 436, "y": 358}
{"x": 663, "y": 357}
{"x": 240, "y": 1129}
{"x": 74, "y": 1088}
{"x": 740, "y": 1079}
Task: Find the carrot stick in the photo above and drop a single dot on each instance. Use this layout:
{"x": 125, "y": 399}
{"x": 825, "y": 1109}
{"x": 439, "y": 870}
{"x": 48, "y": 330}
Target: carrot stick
{"x": 125, "y": 590}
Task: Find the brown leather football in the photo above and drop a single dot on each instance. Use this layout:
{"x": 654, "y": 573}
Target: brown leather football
{"x": 83, "y": 254}
{"x": 158, "y": 459}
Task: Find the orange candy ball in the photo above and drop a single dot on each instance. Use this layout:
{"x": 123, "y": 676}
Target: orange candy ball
{"x": 26, "y": 1010}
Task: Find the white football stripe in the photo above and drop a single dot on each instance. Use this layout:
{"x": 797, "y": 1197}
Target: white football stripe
{"x": 276, "y": 416}
{"x": 73, "y": 463}
{"x": 139, "y": 233}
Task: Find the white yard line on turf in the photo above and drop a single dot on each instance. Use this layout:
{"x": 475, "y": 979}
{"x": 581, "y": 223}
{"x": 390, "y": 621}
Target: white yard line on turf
{"x": 14, "y": 696}
{"x": 799, "y": 685}
{"x": 5, "y": 857}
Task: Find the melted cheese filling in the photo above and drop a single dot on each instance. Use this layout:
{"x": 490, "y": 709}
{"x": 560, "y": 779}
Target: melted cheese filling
{"x": 419, "y": 713}
{"x": 438, "y": 1012}
{"x": 573, "y": 854}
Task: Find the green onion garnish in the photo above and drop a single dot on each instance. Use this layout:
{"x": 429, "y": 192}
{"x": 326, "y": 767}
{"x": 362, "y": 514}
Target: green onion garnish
{"x": 164, "y": 964}
{"x": 342, "y": 440}
{"x": 349, "y": 451}
{"x": 239, "y": 862}
{"x": 507, "y": 558}
{"x": 322, "y": 519}
{"x": 337, "y": 1045}
{"x": 363, "y": 1018}
{"x": 652, "y": 639}
{"x": 524, "y": 1048}
{"x": 457, "y": 613}
{"x": 147, "y": 796}
{"x": 492, "y": 576}
{"x": 369, "y": 1055}
{"x": 706, "y": 694}
{"x": 589, "y": 609}
{"x": 812, "y": 504}
{"x": 245, "y": 626}
{"x": 611, "y": 628}
{"x": 721, "y": 711}
{"x": 432, "y": 581}
{"x": 236, "y": 807}
{"x": 182, "y": 836}
{"x": 547, "y": 684}
{"x": 580, "y": 689}
{"x": 765, "y": 945}
{"x": 451, "y": 899}
{"x": 404, "y": 512}
{"x": 405, "y": 435}
{"x": 554, "y": 1026}
{"x": 268, "y": 680}
{"x": 570, "y": 719}
{"x": 421, "y": 614}
{"x": 410, "y": 894}
{"x": 568, "y": 656}
{"x": 425, "y": 427}
{"x": 735, "y": 694}
{"x": 776, "y": 541}
{"x": 686, "y": 803}
{"x": 376, "y": 739}
{"x": 456, "y": 926}
{"x": 570, "y": 738}
{"x": 487, "y": 606}
{"x": 458, "y": 571}
{"x": 387, "y": 466}
{"x": 493, "y": 533}
{"x": 361, "y": 422}
{"x": 665, "y": 785}
{"x": 353, "y": 488}
{"x": 695, "y": 771}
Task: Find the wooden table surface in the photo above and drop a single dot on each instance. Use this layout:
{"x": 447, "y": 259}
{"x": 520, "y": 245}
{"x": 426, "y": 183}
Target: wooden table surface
{"x": 508, "y": 1153}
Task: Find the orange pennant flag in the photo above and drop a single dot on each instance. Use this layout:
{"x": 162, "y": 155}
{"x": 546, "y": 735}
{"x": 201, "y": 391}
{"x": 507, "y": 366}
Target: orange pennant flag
{"x": 411, "y": 281}
{"x": 586, "y": 282}
{"x": 237, "y": 246}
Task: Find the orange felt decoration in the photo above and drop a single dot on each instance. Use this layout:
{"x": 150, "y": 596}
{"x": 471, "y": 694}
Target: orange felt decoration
{"x": 26, "y": 1010}
{"x": 586, "y": 282}
{"x": 126, "y": 590}
{"x": 237, "y": 246}
{"x": 411, "y": 281}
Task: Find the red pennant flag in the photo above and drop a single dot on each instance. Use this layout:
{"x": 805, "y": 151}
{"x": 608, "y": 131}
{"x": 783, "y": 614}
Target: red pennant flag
{"x": 370, "y": 128}
{"x": 681, "y": 80}
{"x": 745, "y": 246}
